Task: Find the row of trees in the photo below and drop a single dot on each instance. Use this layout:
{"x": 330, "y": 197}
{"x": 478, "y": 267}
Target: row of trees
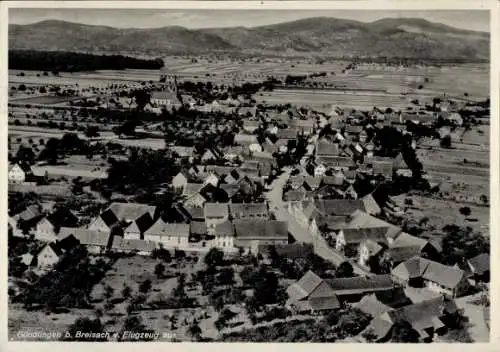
{"x": 57, "y": 61}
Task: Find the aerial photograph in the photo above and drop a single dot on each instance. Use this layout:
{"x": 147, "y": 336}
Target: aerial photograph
{"x": 195, "y": 175}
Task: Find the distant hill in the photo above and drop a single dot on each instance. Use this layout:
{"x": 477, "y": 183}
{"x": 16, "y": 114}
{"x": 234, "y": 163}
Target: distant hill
{"x": 404, "y": 38}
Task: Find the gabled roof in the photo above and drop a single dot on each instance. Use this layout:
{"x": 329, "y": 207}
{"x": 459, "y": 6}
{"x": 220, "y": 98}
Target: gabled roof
{"x": 191, "y": 189}
{"x": 86, "y": 236}
{"x": 230, "y": 190}
{"x": 338, "y": 206}
{"x": 358, "y": 235}
{"x": 327, "y": 149}
{"x": 198, "y": 228}
{"x": 241, "y": 138}
{"x": 131, "y": 211}
{"x": 304, "y": 287}
{"x": 446, "y": 276}
{"x": 244, "y": 210}
{"x": 225, "y": 229}
{"x": 195, "y": 213}
{"x": 216, "y": 210}
{"x": 288, "y": 133}
{"x": 31, "y": 212}
{"x": 335, "y": 161}
{"x": 161, "y": 228}
{"x": 62, "y": 217}
{"x": 399, "y": 254}
{"x": 370, "y": 304}
{"x": 141, "y": 224}
{"x": 119, "y": 243}
{"x": 357, "y": 285}
{"x": 480, "y": 263}
{"x": 260, "y": 229}
{"x": 406, "y": 240}
{"x": 423, "y": 315}
{"x": 383, "y": 168}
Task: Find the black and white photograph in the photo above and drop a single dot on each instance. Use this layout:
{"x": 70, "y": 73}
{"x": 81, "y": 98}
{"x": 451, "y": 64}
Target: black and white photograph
{"x": 248, "y": 175}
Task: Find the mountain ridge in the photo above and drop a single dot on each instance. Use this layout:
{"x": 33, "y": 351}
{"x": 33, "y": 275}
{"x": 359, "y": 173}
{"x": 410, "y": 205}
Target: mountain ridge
{"x": 320, "y": 36}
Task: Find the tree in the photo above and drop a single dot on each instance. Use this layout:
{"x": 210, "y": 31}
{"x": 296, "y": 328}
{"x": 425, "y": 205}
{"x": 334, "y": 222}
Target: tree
{"x": 195, "y": 331}
{"x": 214, "y": 258}
{"x": 345, "y": 270}
{"x": 91, "y": 131}
{"x": 25, "y": 154}
{"x": 353, "y": 321}
{"x": 85, "y": 325}
{"x": 108, "y": 292}
{"x": 370, "y": 335}
{"x": 446, "y": 142}
{"x": 226, "y": 276}
{"x": 145, "y": 286}
{"x": 159, "y": 270}
{"x": 402, "y": 331}
{"x": 465, "y": 211}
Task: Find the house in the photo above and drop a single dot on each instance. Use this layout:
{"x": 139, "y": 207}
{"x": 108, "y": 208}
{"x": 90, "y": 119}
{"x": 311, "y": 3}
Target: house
{"x": 352, "y": 289}
{"x": 140, "y": 247}
{"x": 336, "y": 161}
{"x": 48, "y": 256}
{"x": 231, "y": 190}
{"x": 14, "y": 227}
{"x": 305, "y": 127}
{"x": 211, "y": 179}
{"x": 418, "y": 272}
{"x": 197, "y": 230}
{"x": 287, "y": 134}
{"x": 311, "y": 294}
{"x": 224, "y": 235}
{"x": 232, "y": 153}
{"x": 349, "y": 240}
{"x": 406, "y": 246}
{"x": 249, "y": 234}
{"x": 183, "y": 152}
{"x": 30, "y": 215}
{"x": 136, "y": 229}
{"x": 454, "y": 118}
{"x": 215, "y": 213}
{"x": 353, "y": 131}
{"x": 16, "y": 173}
{"x": 118, "y": 213}
{"x": 193, "y": 213}
{"x": 96, "y": 242}
{"x": 250, "y": 126}
{"x": 363, "y": 136}
{"x": 312, "y": 183}
{"x": 168, "y": 234}
{"x": 255, "y": 148}
{"x": 327, "y": 149}
{"x": 370, "y": 304}
{"x": 180, "y": 180}
{"x": 428, "y": 318}
{"x": 269, "y": 147}
{"x": 382, "y": 168}
{"x": 47, "y": 228}
{"x": 192, "y": 195}
{"x": 479, "y": 266}
{"x": 245, "y": 139}
{"x": 164, "y": 99}
{"x": 316, "y": 169}
{"x": 246, "y": 211}
{"x": 211, "y": 155}
{"x": 306, "y": 211}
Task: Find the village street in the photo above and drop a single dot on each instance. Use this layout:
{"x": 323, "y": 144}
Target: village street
{"x": 478, "y": 330}
{"x": 301, "y": 234}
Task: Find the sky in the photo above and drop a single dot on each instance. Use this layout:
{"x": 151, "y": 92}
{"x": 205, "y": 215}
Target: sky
{"x": 151, "y": 18}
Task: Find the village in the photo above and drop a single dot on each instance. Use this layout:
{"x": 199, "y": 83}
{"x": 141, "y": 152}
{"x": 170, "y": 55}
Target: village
{"x": 245, "y": 221}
